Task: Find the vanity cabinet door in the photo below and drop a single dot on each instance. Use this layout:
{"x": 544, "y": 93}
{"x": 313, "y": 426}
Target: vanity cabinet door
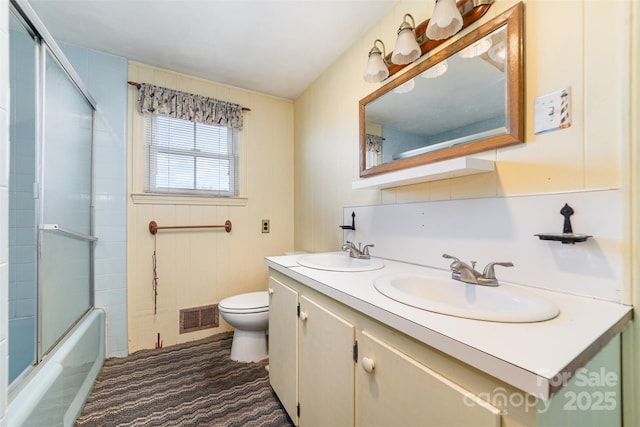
{"x": 283, "y": 345}
{"x": 392, "y": 389}
{"x": 326, "y": 367}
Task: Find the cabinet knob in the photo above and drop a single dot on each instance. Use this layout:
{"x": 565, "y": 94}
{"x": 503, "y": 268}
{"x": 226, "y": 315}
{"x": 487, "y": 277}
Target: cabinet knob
{"x": 303, "y": 316}
{"x": 368, "y": 365}
{"x": 270, "y": 290}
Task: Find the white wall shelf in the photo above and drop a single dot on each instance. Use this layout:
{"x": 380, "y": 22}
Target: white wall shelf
{"x": 432, "y": 172}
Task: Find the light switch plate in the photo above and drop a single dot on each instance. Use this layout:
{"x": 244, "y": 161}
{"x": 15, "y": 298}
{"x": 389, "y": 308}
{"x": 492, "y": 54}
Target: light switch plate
{"x": 552, "y": 111}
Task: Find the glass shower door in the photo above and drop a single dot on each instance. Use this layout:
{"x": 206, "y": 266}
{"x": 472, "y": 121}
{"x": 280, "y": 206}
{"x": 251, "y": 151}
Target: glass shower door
{"x": 66, "y": 252}
{"x": 22, "y": 206}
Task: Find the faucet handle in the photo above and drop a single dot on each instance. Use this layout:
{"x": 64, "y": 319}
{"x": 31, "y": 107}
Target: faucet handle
{"x": 365, "y": 250}
{"x": 455, "y": 264}
{"x": 348, "y": 246}
{"x": 489, "y": 272}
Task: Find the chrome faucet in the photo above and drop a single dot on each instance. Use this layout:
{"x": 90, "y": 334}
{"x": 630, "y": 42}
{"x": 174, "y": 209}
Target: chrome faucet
{"x": 357, "y": 252}
{"x": 468, "y": 273}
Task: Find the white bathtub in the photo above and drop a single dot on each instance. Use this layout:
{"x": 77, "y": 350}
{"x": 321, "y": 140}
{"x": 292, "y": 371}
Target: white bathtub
{"x": 55, "y": 392}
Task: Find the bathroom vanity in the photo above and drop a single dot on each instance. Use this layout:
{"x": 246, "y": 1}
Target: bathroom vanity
{"x": 341, "y": 353}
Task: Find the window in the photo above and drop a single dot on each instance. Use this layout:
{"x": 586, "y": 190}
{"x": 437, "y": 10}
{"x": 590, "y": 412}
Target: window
{"x": 190, "y": 158}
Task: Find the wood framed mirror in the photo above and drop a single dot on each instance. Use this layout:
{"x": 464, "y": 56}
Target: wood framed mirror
{"x": 464, "y": 99}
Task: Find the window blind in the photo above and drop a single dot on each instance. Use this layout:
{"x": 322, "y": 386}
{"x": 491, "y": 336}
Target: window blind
{"x": 190, "y": 158}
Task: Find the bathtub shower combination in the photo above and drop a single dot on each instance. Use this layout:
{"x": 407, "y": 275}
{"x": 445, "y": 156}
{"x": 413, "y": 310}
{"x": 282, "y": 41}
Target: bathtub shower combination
{"x": 56, "y": 337}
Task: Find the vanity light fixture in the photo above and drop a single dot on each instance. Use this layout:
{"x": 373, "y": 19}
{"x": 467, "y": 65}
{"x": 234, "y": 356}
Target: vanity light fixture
{"x": 436, "y": 71}
{"x": 445, "y": 21}
{"x": 377, "y": 69}
{"x": 407, "y": 48}
{"x": 476, "y": 49}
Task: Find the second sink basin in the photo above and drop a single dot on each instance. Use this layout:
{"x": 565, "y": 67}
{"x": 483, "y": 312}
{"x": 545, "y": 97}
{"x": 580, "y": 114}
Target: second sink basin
{"x": 504, "y": 303}
{"x": 338, "y": 261}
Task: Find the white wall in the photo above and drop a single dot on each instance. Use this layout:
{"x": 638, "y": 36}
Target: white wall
{"x": 631, "y": 343}
{"x": 201, "y": 267}
{"x": 503, "y": 229}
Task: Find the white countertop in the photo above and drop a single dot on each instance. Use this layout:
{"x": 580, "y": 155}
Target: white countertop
{"x": 525, "y": 355}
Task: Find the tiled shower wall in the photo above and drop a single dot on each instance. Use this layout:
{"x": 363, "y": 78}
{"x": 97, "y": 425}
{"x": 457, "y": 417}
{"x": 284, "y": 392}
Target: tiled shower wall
{"x": 4, "y": 203}
{"x": 106, "y": 78}
{"x": 22, "y": 175}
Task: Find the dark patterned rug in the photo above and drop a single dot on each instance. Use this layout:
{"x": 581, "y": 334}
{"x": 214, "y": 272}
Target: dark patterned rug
{"x": 192, "y": 384}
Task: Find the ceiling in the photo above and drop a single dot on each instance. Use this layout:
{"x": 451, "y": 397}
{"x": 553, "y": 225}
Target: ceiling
{"x": 276, "y": 47}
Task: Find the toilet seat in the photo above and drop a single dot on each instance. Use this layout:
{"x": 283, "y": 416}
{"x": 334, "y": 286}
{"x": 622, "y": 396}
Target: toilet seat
{"x": 253, "y": 302}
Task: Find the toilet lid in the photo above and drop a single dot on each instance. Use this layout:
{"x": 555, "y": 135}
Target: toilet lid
{"x": 250, "y": 301}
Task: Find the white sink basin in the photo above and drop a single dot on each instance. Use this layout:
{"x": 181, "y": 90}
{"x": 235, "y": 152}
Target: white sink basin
{"x": 504, "y": 303}
{"x": 338, "y": 261}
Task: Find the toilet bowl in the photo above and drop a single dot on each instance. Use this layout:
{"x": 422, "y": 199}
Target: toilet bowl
{"x": 249, "y": 315}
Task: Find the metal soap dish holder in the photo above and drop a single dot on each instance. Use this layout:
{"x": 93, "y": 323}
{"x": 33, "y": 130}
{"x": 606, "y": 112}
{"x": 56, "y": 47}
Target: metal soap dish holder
{"x": 567, "y": 236}
{"x": 353, "y": 223}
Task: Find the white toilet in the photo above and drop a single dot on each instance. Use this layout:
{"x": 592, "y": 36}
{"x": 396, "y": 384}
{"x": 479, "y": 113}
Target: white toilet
{"x": 249, "y": 315}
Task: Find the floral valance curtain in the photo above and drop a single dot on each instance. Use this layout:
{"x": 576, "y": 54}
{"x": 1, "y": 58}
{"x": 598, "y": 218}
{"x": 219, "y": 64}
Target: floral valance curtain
{"x": 374, "y": 143}
{"x": 168, "y": 102}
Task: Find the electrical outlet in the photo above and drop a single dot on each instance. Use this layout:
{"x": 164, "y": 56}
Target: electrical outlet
{"x": 265, "y": 226}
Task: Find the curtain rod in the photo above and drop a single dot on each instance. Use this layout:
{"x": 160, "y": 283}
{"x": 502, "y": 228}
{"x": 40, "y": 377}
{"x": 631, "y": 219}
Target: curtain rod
{"x": 136, "y": 84}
